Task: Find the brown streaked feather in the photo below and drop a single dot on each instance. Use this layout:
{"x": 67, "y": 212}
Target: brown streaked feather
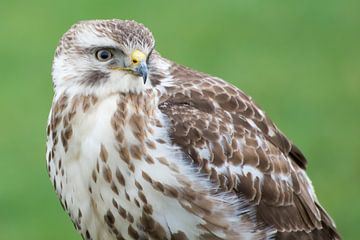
{"x": 297, "y": 156}
{"x": 328, "y": 230}
{"x": 207, "y": 113}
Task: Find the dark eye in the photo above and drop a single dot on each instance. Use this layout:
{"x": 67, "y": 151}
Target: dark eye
{"x": 104, "y": 55}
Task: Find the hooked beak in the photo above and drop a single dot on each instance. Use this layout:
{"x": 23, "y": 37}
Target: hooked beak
{"x": 142, "y": 70}
{"x": 138, "y": 65}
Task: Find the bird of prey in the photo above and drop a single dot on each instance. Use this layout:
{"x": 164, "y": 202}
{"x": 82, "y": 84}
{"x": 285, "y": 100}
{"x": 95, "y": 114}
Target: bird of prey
{"x": 140, "y": 147}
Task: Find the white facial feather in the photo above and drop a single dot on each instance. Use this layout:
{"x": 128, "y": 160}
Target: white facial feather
{"x": 70, "y": 68}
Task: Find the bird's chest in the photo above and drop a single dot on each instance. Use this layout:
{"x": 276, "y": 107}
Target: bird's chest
{"x": 110, "y": 163}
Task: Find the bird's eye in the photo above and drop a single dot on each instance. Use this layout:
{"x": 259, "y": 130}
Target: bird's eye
{"x": 104, "y": 55}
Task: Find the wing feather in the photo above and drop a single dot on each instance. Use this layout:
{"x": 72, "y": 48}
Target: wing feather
{"x": 229, "y": 138}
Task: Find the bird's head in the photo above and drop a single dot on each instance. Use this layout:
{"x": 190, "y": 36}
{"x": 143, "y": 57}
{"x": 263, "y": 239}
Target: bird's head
{"x": 103, "y": 56}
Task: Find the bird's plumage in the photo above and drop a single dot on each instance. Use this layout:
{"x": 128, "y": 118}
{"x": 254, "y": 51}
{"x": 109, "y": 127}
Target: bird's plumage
{"x": 184, "y": 156}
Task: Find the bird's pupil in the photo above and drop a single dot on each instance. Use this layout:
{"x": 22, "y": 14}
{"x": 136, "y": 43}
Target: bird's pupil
{"x": 104, "y": 54}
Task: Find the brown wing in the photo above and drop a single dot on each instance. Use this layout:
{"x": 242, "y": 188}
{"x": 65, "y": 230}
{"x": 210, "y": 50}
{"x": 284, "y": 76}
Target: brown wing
{"x": 232, "y": 141}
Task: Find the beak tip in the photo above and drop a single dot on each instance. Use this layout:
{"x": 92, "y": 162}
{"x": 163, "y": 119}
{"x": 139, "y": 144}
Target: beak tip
{"x": 143, "y": 71}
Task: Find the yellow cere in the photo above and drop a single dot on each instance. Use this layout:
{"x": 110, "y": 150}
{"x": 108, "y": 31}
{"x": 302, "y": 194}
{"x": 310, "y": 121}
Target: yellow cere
{"x": 137, "y": 56}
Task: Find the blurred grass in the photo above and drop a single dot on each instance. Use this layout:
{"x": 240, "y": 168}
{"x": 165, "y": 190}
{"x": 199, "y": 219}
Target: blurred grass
{"x": 300, "y": 60}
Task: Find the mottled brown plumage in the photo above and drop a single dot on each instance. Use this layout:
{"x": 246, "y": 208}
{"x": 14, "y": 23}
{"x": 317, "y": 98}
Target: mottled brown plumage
{"x": 184, "y": 156}
{"x": 206, "y": 112}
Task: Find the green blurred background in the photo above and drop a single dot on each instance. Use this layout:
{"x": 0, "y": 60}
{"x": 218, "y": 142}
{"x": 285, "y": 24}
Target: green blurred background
{"x": 300, "y": 60}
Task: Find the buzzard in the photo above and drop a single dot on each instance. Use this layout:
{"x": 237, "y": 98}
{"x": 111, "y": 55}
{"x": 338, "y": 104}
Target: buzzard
{"x": 139, "y": 147}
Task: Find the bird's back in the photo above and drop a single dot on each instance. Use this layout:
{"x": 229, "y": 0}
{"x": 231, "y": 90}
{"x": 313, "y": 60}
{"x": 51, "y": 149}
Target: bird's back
{"x": 232, "y": 141}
